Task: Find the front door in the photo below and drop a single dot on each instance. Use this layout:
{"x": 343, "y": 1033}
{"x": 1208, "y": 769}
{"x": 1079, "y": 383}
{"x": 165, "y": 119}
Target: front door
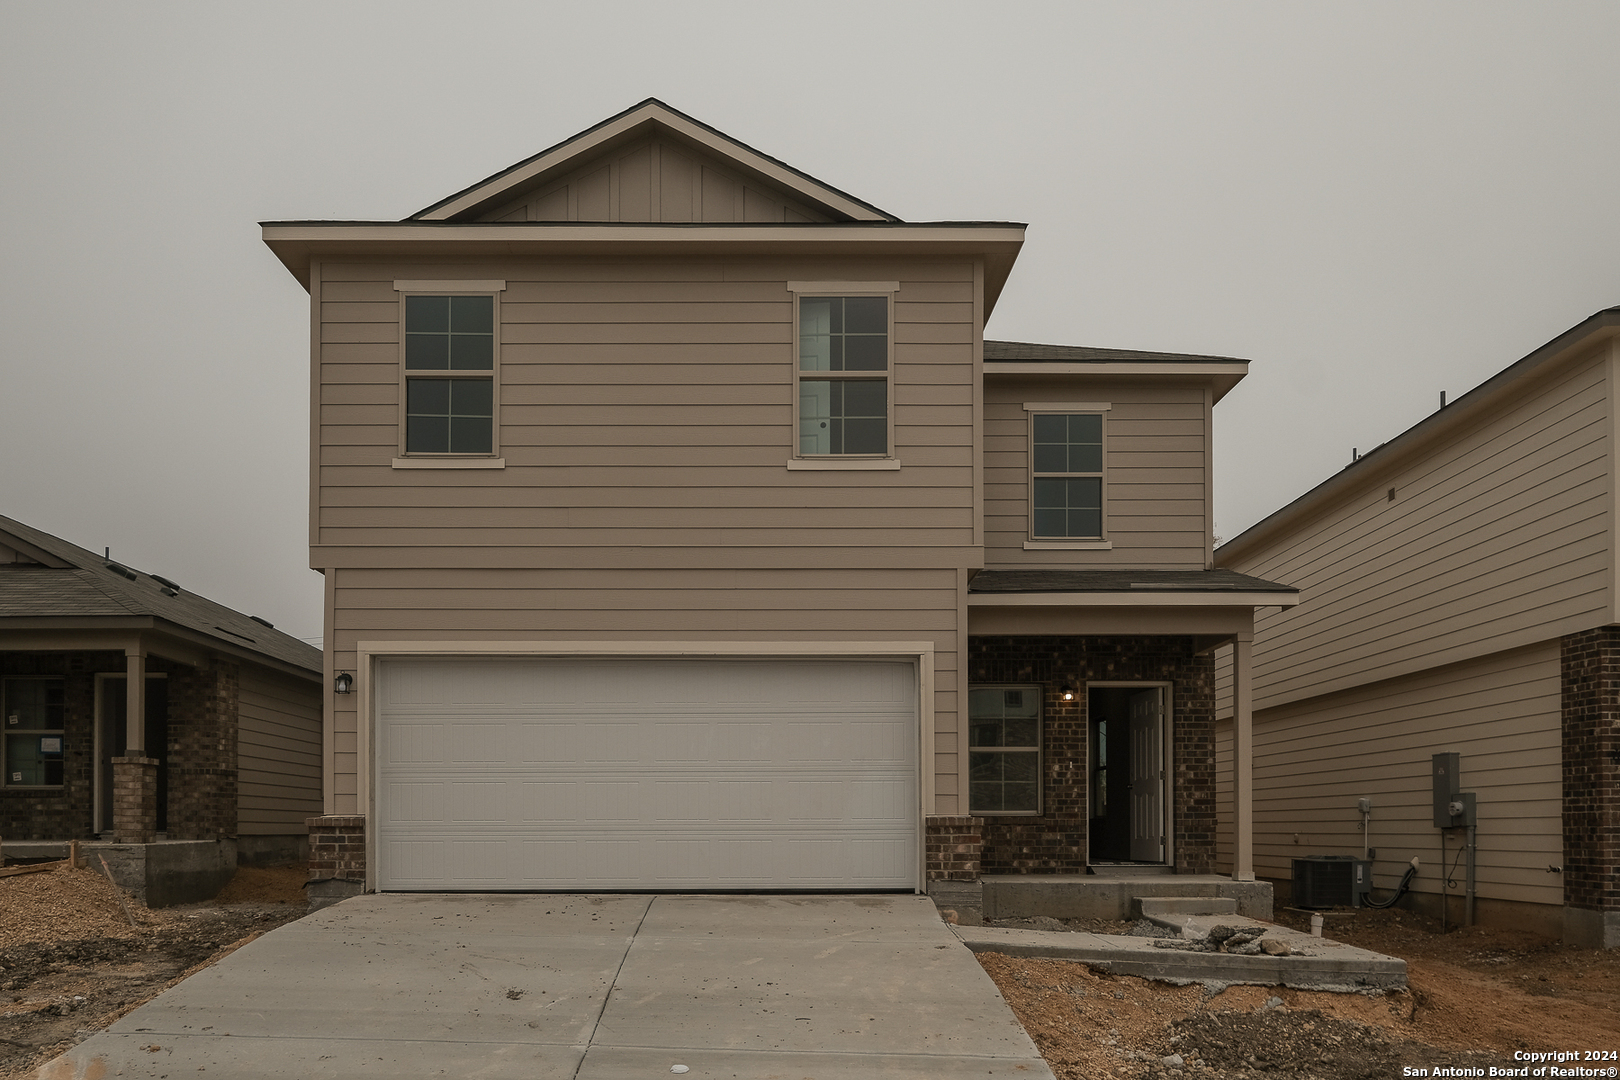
{"x": 1147, "y": 775}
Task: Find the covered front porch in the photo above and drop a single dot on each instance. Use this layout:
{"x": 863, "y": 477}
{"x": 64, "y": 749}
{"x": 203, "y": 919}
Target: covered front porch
{"x": 1121, "y": 779}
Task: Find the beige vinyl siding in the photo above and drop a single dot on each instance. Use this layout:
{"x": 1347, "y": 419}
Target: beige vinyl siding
{"x": 1314, "y": 759}
{"x": 1154, "y": 475}
{"x": 655, "y": 180}
{"x": 1497, "y": 538}
{"x": 663, "y": 422}
{"x": 647, "y": 418}
{"x": 747, "y": 606}
{"x": 278, "y": 779}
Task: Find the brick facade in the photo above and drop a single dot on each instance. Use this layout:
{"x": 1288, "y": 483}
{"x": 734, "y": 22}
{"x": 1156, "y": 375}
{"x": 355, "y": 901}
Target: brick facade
{"x": 1590, "y": 663}
{"x": 1056, "y": 841}
{"x": 202, "y": 752}
{"x": 952, "y": 846}
{"x": 337, "y": 847}
{"x": 65, "y": 813}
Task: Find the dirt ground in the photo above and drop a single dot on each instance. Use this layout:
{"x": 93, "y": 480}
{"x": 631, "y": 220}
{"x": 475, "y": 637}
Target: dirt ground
{"x": 71, "y": 963}
{"x": 1475, "y": 997}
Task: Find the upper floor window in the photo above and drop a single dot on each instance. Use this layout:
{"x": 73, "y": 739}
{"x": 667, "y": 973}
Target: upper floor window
{"x": 843, "y": 360}
{"x": 450, "y": 376}
{"x": 1066, "y": 476}
{"x": 31, "y": 751}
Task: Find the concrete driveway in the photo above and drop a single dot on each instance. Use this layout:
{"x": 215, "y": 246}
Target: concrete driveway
{"x": 588, "y": 987}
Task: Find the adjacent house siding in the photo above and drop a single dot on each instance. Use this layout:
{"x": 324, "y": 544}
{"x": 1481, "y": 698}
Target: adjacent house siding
{"x": 1495, "y": 539}
{"x": 1314, "y": 759}
{"x": 1156, "y": 470}
{"x": 278, "y": 753}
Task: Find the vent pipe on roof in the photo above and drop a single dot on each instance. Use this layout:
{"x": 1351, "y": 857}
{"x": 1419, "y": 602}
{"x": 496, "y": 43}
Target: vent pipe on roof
{"x": 1442, "y": 399}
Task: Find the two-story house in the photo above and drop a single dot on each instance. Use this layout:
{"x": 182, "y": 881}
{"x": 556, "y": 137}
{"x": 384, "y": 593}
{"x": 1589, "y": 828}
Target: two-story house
{"x": 681, "y": 530}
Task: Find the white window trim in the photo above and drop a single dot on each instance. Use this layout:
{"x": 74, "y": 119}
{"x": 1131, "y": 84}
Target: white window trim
{"x": 885, "y": 462}
{"x": 469, "y": 287}
{"x": 1040, "y": 751}
{"x": 1046, "y": 543}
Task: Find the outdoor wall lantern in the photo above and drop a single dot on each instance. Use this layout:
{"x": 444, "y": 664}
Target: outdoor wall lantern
{"x": 1066, "y": 692}
{"x": 343, "y": 684}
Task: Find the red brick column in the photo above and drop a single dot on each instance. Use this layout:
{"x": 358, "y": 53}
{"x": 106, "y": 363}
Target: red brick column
{"x": 952, "y": 845}
{"x": 1590, "y": 663}
{"x": 337, "y": 858}
{"x": 134, "y": 800}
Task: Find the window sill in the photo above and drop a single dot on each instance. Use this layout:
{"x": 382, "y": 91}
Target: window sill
{"x": 449, "y": 463}
{"x": 835, "y": 465}
{"x": 1068, "y": 545}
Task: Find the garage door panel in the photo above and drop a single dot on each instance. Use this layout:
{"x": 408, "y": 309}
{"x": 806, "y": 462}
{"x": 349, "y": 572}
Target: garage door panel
{"x": 637, "y": 774}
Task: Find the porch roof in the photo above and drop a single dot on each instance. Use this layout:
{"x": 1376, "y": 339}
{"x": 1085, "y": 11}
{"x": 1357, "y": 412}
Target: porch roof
{"x": 1228, "y": 585}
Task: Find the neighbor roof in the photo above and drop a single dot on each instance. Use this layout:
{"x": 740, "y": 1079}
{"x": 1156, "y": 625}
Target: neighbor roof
{"x": 68, "y": 581}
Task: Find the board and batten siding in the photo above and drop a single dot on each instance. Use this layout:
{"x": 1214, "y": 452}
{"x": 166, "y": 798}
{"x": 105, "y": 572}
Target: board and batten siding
{"x": 1494, "y": 539}
{"x": 278, "y": 736}
{"x": 1155, "y": 475}
{"x": 646, "y": 418}
{"x": 1314, "y": 759}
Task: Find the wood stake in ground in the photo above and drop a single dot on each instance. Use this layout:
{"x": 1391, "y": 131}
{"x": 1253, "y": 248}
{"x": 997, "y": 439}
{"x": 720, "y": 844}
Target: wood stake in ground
{"x": 117, "y": 891}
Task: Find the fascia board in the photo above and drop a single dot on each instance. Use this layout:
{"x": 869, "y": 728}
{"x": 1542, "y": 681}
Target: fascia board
{"x": 1505, "y": 388}
{"x": 159, "y": 636}
{"x": 1221, "y": 377}
{"x": 585, "y": 144}
{"x": 1157, "y": 598}
{"x": 296, "y": 243}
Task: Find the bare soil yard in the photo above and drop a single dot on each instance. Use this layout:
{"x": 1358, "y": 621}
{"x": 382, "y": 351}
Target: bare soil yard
{"x": 70, "y": 962}
{"x": 1475, "y": 997}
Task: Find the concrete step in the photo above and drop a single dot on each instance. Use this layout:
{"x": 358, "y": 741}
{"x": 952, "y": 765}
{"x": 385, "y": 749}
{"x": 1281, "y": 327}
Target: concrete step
{"x": 1167, "y": 910}
{"x": 1130, "y": 870}
{"x": 1077, "y": 896}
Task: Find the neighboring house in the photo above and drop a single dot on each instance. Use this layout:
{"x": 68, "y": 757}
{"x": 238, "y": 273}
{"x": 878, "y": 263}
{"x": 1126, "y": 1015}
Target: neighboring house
{"x": 133, "y": 710}
{"x": 1459, "y": 596}
{"x": 680, "y": 530}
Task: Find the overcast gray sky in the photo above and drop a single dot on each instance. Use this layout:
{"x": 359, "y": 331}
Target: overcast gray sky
{"x": 1371, "y": 201}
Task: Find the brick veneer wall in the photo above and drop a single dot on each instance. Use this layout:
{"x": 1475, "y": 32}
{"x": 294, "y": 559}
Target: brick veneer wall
{"x": 1590, "y": 663}
{"x": 65, "y": 813}
{"x": 952, "y": 846}
{"x": 1055, "y": 842}
{"x": 202, "y": 752}
{"x": 134, "y": 800}
{"x": 337, "y": 847}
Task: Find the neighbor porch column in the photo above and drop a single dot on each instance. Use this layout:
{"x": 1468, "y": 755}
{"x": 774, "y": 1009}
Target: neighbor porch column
{"x": 135, "y": 774}
{"x": 1242, "y": 758}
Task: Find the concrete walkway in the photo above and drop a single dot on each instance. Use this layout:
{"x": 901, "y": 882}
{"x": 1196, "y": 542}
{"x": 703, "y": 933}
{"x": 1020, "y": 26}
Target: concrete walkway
{"x": 588, "y": 987}
{"x": 1313, "y": 963}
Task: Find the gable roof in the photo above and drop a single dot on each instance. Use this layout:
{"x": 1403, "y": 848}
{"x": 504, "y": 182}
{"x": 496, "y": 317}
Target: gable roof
{"x": 635, "y": 123}
{"x": 65, "y": 580}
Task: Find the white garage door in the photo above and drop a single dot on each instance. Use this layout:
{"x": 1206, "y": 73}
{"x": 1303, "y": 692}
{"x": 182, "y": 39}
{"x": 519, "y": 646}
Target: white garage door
{"x": 647, "y": 774}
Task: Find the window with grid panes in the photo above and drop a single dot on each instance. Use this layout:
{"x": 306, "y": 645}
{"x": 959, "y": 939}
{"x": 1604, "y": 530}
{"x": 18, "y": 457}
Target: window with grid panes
{"x": 449, "y": 374}
{"x": 843, "y": 378}
{"x": 1066, "y": 476}
{"x": 1004, "y": 750}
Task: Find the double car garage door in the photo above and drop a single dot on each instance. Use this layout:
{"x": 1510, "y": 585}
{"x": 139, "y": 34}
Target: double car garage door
{"x": 679, "y": 774}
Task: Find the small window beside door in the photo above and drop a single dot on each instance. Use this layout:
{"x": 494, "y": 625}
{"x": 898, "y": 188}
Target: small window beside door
{"x": 1004, "y": 750}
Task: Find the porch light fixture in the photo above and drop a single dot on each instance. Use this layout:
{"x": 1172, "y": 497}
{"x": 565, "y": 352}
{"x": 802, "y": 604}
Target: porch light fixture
{"x": 1066, "y": 692}
{"x": 343, "y": 684}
